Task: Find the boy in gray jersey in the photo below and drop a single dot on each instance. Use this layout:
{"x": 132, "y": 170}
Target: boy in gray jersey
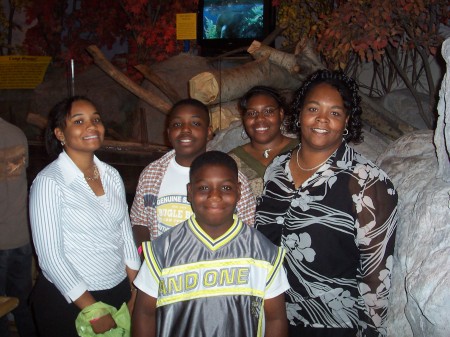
{"x": 211, "y": 275}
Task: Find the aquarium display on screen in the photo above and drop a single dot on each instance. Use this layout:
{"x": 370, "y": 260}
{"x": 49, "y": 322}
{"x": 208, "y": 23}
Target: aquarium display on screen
{"x": 226, "y": 25}
{"x": 233, "y": 19}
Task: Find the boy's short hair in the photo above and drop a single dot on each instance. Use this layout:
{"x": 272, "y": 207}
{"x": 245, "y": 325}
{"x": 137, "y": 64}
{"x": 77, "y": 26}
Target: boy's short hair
{"x": 190, "y": 102}
{"x": 213, "y": 158}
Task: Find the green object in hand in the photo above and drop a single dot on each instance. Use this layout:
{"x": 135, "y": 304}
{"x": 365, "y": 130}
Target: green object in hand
{"x": 99, "y": 309}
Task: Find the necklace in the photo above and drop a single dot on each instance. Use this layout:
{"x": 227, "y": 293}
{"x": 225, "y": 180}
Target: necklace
{"x": 312, "y": 168}
{"x": 266, "y": 153}
{"x": 95, "y": 176}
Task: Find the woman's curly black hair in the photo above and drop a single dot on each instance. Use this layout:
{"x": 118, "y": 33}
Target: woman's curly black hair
{"x": 348, "y": 89}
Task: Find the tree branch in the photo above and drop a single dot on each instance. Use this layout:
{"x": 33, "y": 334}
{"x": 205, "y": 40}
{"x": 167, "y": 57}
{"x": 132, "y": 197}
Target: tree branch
{"x": 161, "y": 84}
{"x": 128, "y": 84}
{"x": 409, "y": 85}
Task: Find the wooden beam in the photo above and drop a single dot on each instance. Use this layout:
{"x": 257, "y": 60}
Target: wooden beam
{"x": 158, "y": 82}
{"x": 147, "y": 96}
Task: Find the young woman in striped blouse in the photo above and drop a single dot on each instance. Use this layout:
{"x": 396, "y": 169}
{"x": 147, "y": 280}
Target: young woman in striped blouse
{"x": 80, "y": 225}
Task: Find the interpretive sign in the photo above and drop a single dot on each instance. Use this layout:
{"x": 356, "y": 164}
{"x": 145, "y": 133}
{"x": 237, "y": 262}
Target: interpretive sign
{"x": 187, "y": 26}
{"x": 22, "y": 72}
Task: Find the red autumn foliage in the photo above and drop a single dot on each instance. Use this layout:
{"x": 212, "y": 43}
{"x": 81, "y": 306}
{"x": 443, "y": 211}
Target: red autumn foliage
{"x": 397, "y": 37}
{"x": 368, "y": 28}
{"x": 143, "y": 29}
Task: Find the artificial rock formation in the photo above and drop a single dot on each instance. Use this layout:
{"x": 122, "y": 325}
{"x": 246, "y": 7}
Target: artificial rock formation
{"x": 227, "y": 139}
{"x": 418, "y": 164}
{"x": 283, "y": 71}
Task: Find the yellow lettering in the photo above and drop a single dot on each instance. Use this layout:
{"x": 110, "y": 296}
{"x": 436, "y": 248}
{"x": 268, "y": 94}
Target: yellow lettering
{"x": 178, "y": 283}
{"x": 190, "y": 280}
{"x": 162, "y": 287}
{"x": 227, "y": 276}
{"x": 174, "y": 284}
{"x": 210, "y": 278}
{"x": 243, "y": 274}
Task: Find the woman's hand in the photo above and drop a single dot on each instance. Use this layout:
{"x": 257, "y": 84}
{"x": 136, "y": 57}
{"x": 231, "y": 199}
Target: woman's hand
{"x": 131, "y": 273}
{"x": 103, "y": 324}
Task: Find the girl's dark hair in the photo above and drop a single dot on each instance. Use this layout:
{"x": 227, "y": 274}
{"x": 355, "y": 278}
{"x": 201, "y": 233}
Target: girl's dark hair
{"x": 271, "y": 92}
{"x": 347, "y": 88}
{"x": 57, "y": 119}
{"x": 213, "y": 158}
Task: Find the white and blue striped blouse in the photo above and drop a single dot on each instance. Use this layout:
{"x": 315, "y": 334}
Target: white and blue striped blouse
{"x": 82, "y": 242}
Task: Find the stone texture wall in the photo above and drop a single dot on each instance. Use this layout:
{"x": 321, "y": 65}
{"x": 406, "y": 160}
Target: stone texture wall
{"x": 418, "y": 164}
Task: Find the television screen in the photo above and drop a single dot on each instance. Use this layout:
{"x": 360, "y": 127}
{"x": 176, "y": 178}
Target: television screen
{"x": 233, "y": 19}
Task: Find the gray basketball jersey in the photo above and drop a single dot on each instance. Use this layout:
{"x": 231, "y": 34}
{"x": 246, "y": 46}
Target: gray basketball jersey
{"x": 212, "y": 287}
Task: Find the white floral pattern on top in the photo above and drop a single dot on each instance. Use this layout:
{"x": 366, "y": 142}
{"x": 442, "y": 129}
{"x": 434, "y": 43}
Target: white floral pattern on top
{"x": 299, "y": 246}
{"x": 338, "y": 229}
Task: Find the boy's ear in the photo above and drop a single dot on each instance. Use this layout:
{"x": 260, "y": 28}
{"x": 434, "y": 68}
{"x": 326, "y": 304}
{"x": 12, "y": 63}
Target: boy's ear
{"x": 189, "y": 190}
{"x": 210, "y": 134}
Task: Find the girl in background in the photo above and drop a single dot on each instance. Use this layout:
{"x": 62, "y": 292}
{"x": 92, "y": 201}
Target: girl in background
{"x": 263, "y": 113}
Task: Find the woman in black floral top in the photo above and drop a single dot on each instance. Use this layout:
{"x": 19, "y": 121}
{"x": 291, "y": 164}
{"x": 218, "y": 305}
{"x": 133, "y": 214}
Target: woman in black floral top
{"x": 335, "y": 213}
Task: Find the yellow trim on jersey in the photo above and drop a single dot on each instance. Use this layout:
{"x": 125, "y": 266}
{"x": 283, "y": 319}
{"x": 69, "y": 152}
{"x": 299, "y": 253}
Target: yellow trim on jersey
{"x": 217, "y": 264}
{"x": 215, "y": 244}
{"x": 209, "y": 293}
{"x": 244, "y": 276}
{"x": 276, "y": 266}
{"x": 154, "y": 268}
{"x": 261, "y": 320}
{"x": 203, "y": 279}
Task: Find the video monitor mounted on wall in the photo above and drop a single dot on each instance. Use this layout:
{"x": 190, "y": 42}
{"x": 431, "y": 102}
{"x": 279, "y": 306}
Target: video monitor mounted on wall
{"x": 224, "y": 25}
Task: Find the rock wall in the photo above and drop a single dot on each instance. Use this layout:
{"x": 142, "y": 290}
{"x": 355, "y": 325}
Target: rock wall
{"x": 418, "y": 164}
{"x": 227, "y": 139}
